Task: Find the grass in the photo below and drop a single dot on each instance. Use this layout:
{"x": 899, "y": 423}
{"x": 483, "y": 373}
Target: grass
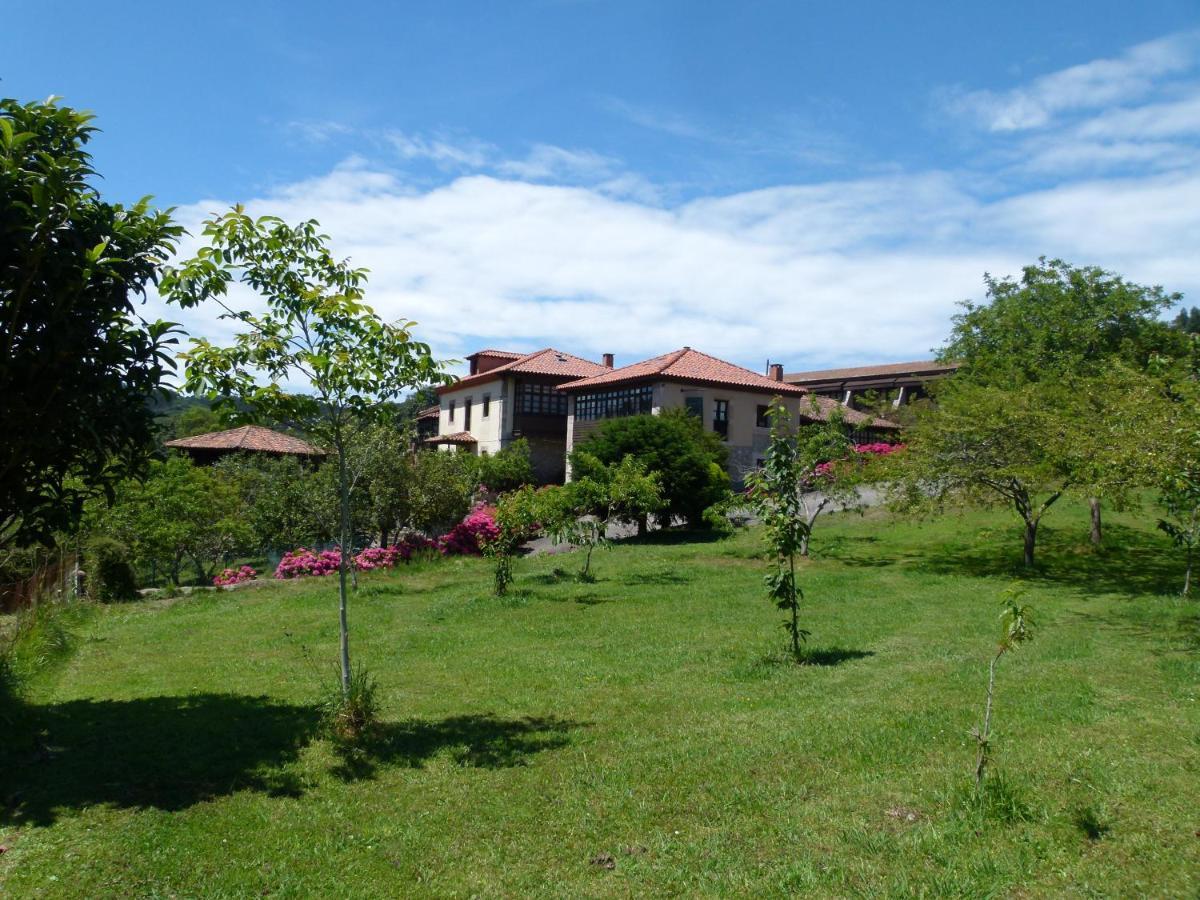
{"x": 644, "y": 734}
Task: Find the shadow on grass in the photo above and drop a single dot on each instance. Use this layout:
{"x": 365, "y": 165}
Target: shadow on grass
{"x": 831, "y": 656}
{"x": 768, "y": 665}
{"x": 657, "y": 578}
{"x": 165, "y": 753}
{"x": 1131, "y": 561}
{"x": 170, "y": 753}
{"x": 674, "y": 536}
{"x": 477, "y": 741}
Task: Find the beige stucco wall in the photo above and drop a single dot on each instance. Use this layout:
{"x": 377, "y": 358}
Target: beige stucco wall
{"x": 489, "y": 430}
{"x": 745, "y": 440}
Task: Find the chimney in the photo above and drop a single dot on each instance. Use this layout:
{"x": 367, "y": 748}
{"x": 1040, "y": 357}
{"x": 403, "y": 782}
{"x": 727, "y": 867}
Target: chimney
{"x": 776, "y": 371}
{"x": 608, "y": 360}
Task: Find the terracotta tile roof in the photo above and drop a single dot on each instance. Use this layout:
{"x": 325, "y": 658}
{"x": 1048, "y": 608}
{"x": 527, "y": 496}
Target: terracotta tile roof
{"x": 459, "y": 437}
{"x": 920, "y": 367}
{"x": 689, "y": 366}
{"x": 852, "y": 417}
{"x": 248, "y": 437}
{"x": 504, "y": 354}
{"x": 429, "y": 412}
{"x": 544, "y": 362}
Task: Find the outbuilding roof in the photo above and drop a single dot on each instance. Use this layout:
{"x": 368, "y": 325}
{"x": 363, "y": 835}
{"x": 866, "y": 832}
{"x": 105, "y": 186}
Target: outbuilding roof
{"x": 551, "y": 362}
{"x": 253, "y": 438}
{"x": 458, "y": 437}
{"x": 919, "y": 367}
{"x": 689, "y": 366}
{"x": 825, "y": 407}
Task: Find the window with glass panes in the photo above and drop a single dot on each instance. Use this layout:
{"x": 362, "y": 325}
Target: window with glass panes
{"x": 721, "y": 417}
{"x": 540, "y": 400}
{"x": 631, "y": 401}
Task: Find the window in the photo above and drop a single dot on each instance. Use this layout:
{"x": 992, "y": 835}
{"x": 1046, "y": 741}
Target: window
{"x": 467, "y": 414}
{"x": 721, "y": 417}
{"x": 540, "y": 400}
{"x": 695, "y": 406}
{"x": 634, "y": 401}
{"x": 761, "y": 419}
{"x": 487, "y": 405}
{"x": 452, "y": 402}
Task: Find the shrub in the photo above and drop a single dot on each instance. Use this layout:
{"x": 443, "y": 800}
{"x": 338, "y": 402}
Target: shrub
{"x": 507, "y": 470}
{"x": 296, "y": 563}
{"x": 110, "y": 575}
{"x": 689, "y": 461}
{"x": 472, "y": 534}
{"x": 235, "y": 576}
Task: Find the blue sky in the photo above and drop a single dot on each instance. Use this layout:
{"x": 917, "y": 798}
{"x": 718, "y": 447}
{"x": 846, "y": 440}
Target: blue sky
{"x": 814, "y": 182}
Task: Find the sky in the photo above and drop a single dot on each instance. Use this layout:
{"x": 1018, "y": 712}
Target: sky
{"x": 817, "y": 184}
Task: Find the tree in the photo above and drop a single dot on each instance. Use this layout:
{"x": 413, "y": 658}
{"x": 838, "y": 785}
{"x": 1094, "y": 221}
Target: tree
{"x": 774, "y": 493}
{"x": 824, "y": 451}
{"x": 1016, "y": 628}
{"x": 283, "y": 499}
{"x": 442, "y": 486}
{"x": 315, "y": 328}
{"x": 519, "y": 516}
{"x": 196, "y": 420}
{"x": 75, "y": 357}
{"x": 1181, "y": 498}
{"x": 583, "y": 509}
{"x": 1061, "y": 322}
{"x": 988, "y": 445}
{"x": 689, "y": 461}
{"x": 180, "y": 513}
{"x": 1188, "y": 320}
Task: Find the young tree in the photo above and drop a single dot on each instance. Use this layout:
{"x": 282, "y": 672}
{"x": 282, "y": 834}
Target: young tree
{"x": 315, "y": 329}
{"x": 442, "y": 487}
{"x": 774, "y": 493}
{"x": 77, "y": 362}
{"x": 583, "y": 509}
{"x": 519, "y": 516}
{"x": 1016, "y": 628}
{"x": 825, "y": 451}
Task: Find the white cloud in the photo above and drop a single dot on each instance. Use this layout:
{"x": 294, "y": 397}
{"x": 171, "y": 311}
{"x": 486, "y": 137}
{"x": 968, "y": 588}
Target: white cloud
{"x": 442, "y": 151}
{"x": 546, "y": 161}
{"x": 1092, "y": 85}
{"x": 855, "y": 271}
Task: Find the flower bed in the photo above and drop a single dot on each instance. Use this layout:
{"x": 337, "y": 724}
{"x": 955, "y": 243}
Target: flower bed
{"x": 466, "y": 538}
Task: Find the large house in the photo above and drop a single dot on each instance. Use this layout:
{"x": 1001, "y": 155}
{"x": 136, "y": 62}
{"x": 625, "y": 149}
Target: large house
{"x": 555, "y": 400}
{"x": 728, "y": 400}
{"x": 507, "y": 396}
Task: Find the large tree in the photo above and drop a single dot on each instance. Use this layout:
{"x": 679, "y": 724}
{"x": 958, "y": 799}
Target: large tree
{"x": 77, "y": 362}
{"x": 1061, "y": 325}
{"x": 315, "y": 329}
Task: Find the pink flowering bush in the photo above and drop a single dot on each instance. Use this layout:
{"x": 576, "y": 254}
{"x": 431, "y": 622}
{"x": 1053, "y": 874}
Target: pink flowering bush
{"x": 469, "y": 536}
{"x": 376, "y": 558}
{"x": 863, "y": 452}
{"x": 296, "y": 563}
{"x": 235, "y": 576}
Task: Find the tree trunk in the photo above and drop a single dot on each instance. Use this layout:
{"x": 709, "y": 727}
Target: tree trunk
{"x": 1187, "y": 575}
{"x": 1031, "y": 527}
{"x": 795, "y": 611}
{"x": 1097, "y": 531}
{"x": 984, "y": 735}
{"x": 343, "y": 564}
{"x": 642, "y": 525}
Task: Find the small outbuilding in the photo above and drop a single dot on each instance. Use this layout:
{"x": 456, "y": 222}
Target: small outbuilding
{"x": 205, "y": 449}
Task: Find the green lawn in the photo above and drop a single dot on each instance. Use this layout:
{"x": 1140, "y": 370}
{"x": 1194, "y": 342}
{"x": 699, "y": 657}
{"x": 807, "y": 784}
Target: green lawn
{"x": 642, "y": 735}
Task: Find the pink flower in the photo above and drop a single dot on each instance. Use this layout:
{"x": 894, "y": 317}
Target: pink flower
{"x": 235, "y": 576}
